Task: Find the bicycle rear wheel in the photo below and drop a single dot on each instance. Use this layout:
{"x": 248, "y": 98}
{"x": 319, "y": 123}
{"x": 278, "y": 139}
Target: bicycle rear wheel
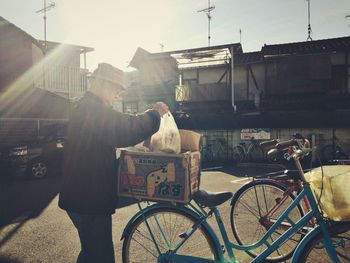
{"x": 168, "y": 226}
{"x": 250, "y": 219}
{"x": 315, "y": 251}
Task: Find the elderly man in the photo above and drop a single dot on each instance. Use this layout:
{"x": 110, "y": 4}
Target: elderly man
{"x": 89, "y": 187}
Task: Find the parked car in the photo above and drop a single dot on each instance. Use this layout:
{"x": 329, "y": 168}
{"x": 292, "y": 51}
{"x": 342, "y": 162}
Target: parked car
{"x": 36, "y": 158}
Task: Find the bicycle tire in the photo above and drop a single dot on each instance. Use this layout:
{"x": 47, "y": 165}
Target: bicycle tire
{"x": 339, "y": 155}
{"x": 174, "y": 222}
{"x": 256, "y": 153}
{"x": 243, "y": 213}
{"x": 237, "y": 154}
{"x": 327, "y": 152}
{"x": 316, "y": 252}
{"x": 207, "y": 155}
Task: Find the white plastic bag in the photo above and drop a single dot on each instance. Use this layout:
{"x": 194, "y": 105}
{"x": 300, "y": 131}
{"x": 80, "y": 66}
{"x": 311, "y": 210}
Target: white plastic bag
{"x": 330, "y": 184}
{"x": 167, "y": 138}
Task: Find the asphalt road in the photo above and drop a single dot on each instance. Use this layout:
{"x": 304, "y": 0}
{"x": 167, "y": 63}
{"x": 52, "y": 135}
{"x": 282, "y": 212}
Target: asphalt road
{"x": 34, "y": 229}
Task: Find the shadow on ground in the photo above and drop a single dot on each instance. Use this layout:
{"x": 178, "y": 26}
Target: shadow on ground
{"x": 22, "y": 199}
{"x": 255, "y": 168}
{"x": 250, "y": 169}
{"x": 4, "y": 259}
{"x": 124, "y": 201}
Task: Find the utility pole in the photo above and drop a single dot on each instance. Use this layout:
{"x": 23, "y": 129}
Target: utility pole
{"x": 309, "y": 31}
{"x": 44, "y": 10}
{"x": 347, "y": 17}
{"x": 207, "y": 12}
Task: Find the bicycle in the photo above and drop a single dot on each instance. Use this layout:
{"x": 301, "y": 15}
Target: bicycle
{"x": 214, "y": 151}
{"x": 265, "y": 198}
{"x": 333, "y": 152}
{"x": 269, "y": 193}
{"x": 244, "y": 151}
{"x": 180, "y": 233}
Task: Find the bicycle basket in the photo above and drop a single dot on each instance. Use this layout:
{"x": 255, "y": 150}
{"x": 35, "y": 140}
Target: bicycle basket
{"x": 335, "y": 195}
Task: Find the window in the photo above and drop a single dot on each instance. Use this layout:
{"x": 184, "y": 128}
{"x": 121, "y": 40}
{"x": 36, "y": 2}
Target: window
{"x": 130, "y": 107}
{"x": 190, "y": 78}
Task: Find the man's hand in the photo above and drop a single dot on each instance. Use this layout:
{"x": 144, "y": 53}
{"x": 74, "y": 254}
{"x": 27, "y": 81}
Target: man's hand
{"x": 161, "y": 107}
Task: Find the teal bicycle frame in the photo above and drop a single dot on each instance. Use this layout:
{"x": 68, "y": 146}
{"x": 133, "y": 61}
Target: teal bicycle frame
{"x": 202, "y": 216}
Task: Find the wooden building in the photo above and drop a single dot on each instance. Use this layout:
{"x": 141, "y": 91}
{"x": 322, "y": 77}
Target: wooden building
{"x": 37, "y": 80}
{"x": 286, "y": 88}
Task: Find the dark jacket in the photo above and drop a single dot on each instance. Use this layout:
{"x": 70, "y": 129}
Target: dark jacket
{"x": 89, "y": 166}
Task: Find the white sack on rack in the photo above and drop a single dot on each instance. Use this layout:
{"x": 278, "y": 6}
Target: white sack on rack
{"x": 167, "y": 138}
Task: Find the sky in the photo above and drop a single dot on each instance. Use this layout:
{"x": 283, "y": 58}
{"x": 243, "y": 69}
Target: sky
{"x": 116, "y": 28}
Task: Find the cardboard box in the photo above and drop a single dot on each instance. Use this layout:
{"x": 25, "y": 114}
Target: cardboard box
{"x": 159, "y": 176}
{"x": 190, "y": 140}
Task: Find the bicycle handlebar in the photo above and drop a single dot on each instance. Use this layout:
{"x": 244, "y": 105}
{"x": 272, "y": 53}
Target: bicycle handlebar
{"x": 296, "y": 149}
{"x": 269, "y": 144}
{"x": 285, "y": 144}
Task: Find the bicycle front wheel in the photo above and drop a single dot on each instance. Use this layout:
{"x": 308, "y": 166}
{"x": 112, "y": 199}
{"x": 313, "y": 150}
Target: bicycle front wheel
{"x": 315, "y": 251}
{"x": 255, "y": 208}
{"x": 169, "y": 227}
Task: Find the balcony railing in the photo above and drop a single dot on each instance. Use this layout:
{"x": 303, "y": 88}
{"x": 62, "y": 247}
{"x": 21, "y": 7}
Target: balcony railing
{"x": 66, "y": 80}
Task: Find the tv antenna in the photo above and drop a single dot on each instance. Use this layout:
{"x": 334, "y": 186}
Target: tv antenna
{"x": 161, "y": 46}
{"x": 44, "y": 10}
{"x": 207, "y": 12}
{"x": 309, "y": 31}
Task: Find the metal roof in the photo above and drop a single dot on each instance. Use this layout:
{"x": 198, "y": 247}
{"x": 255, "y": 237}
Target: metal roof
{"x": 247, "y": 58}
{"x": 216, "y": 55}
{"x": 191, "y": 58}
{"x": 237, "y": 48}
{"x": 52, "y": 45}
{"x": 308, "y": 47}
{"x": 203, "y": 58}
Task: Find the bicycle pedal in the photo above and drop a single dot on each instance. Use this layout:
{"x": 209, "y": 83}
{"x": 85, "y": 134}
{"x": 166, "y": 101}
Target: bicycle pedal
{"x": 223, "y": 249}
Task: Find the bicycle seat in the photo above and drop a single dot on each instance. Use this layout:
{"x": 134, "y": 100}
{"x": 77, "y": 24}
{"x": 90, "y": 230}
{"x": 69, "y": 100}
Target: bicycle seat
{"x": 209, "y": 199}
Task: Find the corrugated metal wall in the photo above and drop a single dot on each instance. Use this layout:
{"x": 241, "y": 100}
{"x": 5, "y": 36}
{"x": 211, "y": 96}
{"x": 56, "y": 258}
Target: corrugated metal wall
{"x": 219, "y": 143}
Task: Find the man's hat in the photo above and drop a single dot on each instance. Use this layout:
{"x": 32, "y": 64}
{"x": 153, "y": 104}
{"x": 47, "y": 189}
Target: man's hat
{"x": 107, "y": 72}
